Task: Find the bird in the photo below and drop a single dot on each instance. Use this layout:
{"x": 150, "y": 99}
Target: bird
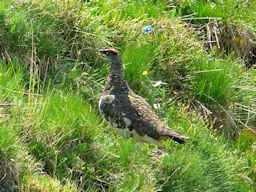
{"x": 132, "y": 116}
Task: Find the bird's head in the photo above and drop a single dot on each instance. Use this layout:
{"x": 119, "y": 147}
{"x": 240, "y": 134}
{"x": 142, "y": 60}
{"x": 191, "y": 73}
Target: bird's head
{"x": 113, "y": 56}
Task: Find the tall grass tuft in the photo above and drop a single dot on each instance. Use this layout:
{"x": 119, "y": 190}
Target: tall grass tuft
{"x": 213, "y": 80}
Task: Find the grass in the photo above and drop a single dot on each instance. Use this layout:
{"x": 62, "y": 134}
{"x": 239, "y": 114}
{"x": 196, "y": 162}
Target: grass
{"x": 223, "y": 10}
{"x": 213, "y": 79}
{"x": 52, "y": 137}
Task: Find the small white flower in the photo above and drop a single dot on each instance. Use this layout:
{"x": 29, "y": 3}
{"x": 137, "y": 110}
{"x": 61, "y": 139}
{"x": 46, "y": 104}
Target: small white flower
{"x": 156, "y": 106}
{"x": 158, "y": 83}
{"x": 160, "y": 30}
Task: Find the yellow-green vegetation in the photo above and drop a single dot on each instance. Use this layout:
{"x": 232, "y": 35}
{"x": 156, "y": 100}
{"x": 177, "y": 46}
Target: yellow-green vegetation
{"x": 52, "y": 137}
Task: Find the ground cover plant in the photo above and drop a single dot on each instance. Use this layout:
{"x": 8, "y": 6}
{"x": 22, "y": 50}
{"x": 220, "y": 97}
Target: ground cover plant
{"x": 52, "y": 137}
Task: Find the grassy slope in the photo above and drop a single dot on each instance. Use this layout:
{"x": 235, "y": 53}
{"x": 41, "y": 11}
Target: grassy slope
{"x": 51, "y": 135}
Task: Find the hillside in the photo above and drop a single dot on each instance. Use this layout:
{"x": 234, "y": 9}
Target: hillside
{"x": 192, "y": 60}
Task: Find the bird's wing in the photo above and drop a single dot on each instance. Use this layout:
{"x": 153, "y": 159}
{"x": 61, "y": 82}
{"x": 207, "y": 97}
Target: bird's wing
{"x": 148, "y": 122}
{"x": 133, "y": 112}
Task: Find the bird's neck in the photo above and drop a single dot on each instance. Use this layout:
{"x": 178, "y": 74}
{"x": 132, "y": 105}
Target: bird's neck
{"x": 116, "y": 68}
{"x": 117, "y": 82}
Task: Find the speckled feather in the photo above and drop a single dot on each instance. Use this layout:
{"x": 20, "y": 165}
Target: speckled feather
{"x": 125, "y": 105}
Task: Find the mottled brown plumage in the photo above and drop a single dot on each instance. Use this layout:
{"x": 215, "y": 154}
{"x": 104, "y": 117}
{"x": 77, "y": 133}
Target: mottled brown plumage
{"x": 133, "y": 116}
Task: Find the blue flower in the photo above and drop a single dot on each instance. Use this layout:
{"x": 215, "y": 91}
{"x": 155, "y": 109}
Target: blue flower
{"x": 147, "y": 29}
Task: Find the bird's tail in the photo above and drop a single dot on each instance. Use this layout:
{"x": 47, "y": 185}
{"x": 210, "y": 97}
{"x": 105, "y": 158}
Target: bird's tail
{"x": 175, "y": 135}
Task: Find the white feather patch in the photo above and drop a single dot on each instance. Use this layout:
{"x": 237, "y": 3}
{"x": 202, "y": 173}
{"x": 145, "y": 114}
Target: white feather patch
{"x": 126, "y": 133}
{"x": 105, "y": 99}
{"x": 127, "y": 122}
{"x": 144, "y": 139}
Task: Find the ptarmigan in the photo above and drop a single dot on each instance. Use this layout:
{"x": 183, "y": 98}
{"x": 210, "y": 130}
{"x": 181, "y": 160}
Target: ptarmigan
{"x": 133, "y": 116}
